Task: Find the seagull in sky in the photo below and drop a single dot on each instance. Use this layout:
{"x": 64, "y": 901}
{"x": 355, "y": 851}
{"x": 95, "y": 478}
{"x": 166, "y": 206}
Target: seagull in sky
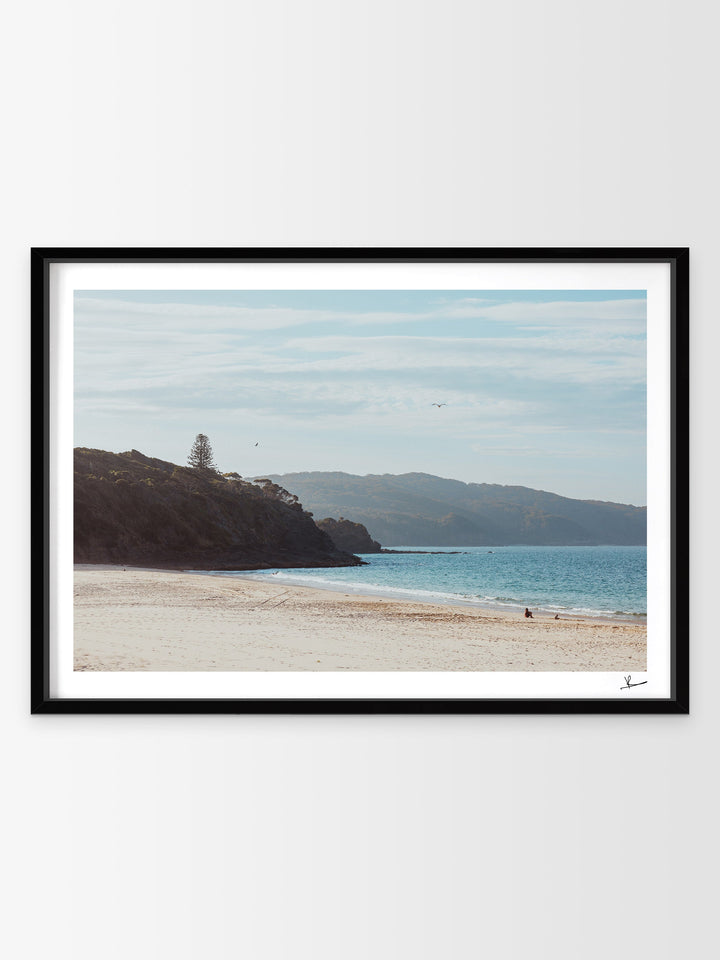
{"x": 439, "y": 405}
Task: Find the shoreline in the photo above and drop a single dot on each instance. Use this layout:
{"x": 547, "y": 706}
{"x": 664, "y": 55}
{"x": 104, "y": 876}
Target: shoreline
{"x": 402, "y": 596}
{"x": 399, "y": 596}
{"x": 134, "y": 618}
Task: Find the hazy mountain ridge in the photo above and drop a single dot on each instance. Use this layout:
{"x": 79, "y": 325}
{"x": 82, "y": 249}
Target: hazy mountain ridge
{"x": 419, "y": 509}
{"x": 134, "y": 509}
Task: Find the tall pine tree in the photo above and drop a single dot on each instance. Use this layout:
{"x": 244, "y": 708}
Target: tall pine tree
{"x": 201, "y": 455}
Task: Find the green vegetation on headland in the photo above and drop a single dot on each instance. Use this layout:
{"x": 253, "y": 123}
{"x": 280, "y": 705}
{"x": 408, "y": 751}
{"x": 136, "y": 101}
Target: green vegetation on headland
{"x": 134, "y": 509}
{"x": 417, "y": 509}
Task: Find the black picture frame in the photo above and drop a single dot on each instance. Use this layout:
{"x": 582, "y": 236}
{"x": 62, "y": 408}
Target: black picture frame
{"x": 43, "y": 259}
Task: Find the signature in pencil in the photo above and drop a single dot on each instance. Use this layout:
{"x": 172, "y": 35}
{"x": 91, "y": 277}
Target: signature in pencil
{"x": 628, "y": 678}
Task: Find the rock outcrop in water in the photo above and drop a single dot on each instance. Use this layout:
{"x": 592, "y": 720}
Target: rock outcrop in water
{"x": 134, "y": 509}
{"x": 349, "y": 536}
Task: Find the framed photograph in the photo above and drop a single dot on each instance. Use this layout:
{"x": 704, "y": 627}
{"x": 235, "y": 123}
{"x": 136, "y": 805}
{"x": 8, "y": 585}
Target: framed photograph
{"x": 360, "y": 480}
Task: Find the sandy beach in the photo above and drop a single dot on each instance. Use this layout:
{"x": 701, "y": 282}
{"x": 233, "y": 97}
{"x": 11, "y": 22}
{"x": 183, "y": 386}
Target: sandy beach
{"x": 142, "y": 620}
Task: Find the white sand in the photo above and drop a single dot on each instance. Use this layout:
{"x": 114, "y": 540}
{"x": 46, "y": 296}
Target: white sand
{"x": 133, "y": 619}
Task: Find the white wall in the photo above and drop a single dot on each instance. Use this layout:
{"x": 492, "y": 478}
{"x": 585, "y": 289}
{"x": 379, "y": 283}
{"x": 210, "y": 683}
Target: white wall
{"x": 170, "y": 122}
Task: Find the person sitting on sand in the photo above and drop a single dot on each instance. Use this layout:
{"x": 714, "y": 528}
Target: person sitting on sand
{"x": 528, "y": 613}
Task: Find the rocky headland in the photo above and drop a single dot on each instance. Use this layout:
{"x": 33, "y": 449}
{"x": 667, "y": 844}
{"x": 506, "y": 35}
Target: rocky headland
{"x": 138, "y": 510}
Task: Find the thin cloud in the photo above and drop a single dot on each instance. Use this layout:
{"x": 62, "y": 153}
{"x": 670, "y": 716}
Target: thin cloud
{"x": 616, "y": 315}
{"x": 521, "y": 380}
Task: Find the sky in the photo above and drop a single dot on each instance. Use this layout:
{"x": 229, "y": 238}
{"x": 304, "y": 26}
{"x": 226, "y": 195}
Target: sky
{"x": 545, "y": 389}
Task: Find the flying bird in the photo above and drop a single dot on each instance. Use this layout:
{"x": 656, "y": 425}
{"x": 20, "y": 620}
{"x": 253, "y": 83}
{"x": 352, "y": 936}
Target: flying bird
{"x": 257, "y": 443}
{"x": 438, "y": 404}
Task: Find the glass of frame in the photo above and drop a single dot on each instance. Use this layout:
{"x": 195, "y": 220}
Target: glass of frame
{"x": 360, "y": 480}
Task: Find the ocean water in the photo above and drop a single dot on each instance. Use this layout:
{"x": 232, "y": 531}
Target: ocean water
{"x": 575, "y": 581}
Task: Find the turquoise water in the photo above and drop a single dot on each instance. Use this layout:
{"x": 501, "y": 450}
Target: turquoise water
{"x": 576, "y": 581}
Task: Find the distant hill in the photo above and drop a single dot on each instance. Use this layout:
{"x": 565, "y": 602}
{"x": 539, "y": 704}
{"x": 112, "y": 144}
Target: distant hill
{"x": 418, "y": 509}
{"x": 134, "y": 509}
